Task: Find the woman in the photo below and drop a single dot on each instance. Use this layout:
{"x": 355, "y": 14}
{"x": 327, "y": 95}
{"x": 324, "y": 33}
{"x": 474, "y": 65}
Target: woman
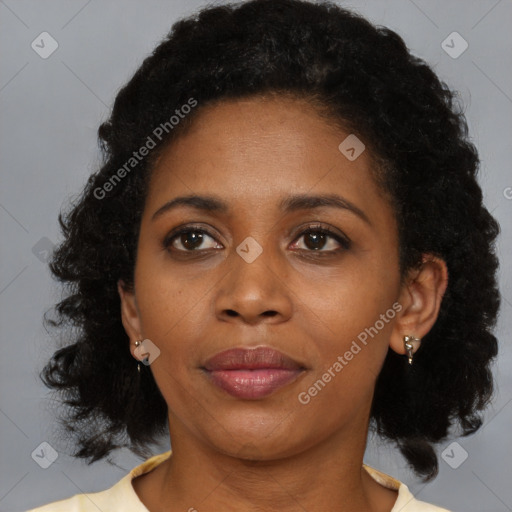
{"x": 288, "y": 234}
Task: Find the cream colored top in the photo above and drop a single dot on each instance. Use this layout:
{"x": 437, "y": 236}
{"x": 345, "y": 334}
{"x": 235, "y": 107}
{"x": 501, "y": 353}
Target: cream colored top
{"x": 122, "y": 497}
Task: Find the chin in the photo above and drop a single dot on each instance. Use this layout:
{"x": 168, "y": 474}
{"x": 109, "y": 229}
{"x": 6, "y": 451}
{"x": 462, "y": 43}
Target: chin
{"x": 265, "y": 442}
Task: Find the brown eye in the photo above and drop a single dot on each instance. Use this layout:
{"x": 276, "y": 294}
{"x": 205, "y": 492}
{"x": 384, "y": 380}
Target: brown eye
{"x": 191, "y": 240}
{"x": 315, "y": 241}
{"x": 321, "y": 240}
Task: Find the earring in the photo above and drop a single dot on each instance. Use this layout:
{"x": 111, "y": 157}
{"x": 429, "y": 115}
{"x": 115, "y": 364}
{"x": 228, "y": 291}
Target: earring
{"x": 137, "y": 343}
{"x": 411, "y": 344}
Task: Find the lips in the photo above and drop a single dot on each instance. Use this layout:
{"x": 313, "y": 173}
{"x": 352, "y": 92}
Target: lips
{"x": 252, "y": 373}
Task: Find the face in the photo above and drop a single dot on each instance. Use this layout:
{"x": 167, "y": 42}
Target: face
{"x": 294, "y": 248}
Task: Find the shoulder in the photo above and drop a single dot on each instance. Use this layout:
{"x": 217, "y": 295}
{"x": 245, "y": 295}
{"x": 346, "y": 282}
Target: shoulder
{"x": 420, "y": 506}
{"x": 406, "y": 502}
{"x": 92, "y": 502}
{"x": 119, "y": 495}
{"x": 75, "y": 504}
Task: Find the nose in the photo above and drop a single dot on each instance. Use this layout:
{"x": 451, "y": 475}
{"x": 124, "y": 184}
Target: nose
{"x": 254, "y": 292}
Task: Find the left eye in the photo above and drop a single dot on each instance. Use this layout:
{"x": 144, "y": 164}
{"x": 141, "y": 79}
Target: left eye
{"x": 318, "y": 239}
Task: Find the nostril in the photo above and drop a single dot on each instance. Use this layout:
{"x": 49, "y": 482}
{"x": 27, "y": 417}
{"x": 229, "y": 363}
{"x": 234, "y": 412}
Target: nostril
{"x": 230, "y": 312}
{"x": 270, "y": 313}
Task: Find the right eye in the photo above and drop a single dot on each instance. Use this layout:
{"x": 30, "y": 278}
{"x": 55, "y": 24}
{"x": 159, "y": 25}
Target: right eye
{"x": 191, "y": 240}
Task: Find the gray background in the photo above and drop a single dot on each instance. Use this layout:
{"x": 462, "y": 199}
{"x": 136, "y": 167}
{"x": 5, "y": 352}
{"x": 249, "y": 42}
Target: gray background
{"x": 50, "y": 111}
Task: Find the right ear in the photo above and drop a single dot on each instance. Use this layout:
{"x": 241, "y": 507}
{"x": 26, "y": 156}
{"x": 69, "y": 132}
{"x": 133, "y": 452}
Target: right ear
{"x": 129, "y": 312}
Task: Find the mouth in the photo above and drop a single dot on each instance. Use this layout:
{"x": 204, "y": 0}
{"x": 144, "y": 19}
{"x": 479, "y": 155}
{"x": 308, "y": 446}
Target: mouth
{"x": 252, "y": 374}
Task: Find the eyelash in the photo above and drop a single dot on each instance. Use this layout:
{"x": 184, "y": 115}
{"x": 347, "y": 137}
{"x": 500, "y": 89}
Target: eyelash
{"x": 344, "y": 242}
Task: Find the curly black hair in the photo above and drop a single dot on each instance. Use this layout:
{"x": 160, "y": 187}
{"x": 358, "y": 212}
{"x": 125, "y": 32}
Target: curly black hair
{"x": 364, "y": 77}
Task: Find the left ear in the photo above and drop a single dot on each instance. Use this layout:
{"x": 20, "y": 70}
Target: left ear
{"x": 420, "y": 298}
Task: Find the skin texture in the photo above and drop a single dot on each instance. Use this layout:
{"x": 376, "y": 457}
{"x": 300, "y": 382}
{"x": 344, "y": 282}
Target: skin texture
{"x": 274, "y": 453}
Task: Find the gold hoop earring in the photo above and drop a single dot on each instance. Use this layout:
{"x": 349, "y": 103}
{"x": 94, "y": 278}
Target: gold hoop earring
{"x": 411, "y": 344}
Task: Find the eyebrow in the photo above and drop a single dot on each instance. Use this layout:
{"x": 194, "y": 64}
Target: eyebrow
{"x": 212, "y": 204}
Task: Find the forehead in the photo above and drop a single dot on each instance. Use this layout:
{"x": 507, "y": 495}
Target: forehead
{"x": 254, "y": 151}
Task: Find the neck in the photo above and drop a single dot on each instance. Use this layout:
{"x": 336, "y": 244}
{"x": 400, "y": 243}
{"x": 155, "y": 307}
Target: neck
{"x": 328, "y": 477}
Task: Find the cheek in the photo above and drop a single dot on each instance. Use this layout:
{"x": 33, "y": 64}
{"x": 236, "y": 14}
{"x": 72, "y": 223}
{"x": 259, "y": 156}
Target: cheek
{"x": 173, "y": 316}
{"x": 167, "y": 299}
{"x": 347, "y": 301}
{"x": 347, "y": 358}
{"x": 351, "y": 317}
